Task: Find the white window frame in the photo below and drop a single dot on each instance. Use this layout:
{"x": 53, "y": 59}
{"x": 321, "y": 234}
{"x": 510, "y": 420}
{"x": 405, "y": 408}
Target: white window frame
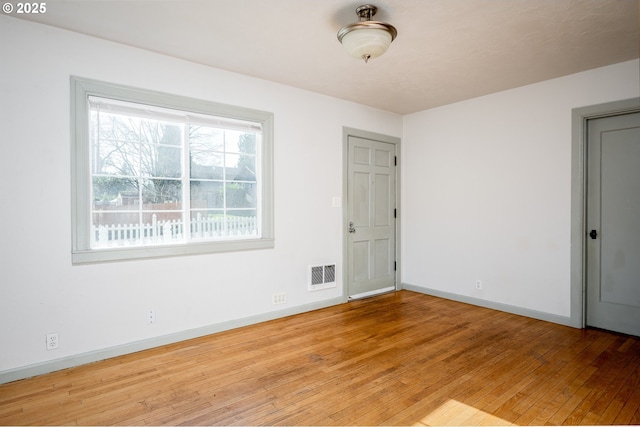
{"x": 82, "y": 253}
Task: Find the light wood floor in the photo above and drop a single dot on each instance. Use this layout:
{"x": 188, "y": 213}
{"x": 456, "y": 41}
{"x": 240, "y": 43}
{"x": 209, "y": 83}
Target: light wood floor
{"x": 396, "y": 359}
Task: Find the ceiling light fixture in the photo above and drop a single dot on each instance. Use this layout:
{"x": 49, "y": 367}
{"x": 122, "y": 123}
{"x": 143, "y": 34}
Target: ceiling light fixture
{"x": 367, "y": 39}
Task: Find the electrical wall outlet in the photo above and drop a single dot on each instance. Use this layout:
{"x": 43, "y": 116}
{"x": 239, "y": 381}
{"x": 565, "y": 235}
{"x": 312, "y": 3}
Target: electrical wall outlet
{"x": 151, "y": 316}
{"x": 53, "y": 341}
{"x": 279, "y": 298}
{"x": 478, "y": 284}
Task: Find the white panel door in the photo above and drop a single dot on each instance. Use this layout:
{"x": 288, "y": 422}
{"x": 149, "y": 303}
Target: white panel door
{"x": 613, "y": 223}
{"x": 371, "y": 184}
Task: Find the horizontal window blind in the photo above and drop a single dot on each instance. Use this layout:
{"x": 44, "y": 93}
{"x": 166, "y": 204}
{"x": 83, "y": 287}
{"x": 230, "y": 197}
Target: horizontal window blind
{"x": 153, "y": 112}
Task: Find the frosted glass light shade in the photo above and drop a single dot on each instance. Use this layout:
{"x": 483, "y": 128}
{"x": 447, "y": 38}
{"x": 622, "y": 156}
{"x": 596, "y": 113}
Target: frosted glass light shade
{"x": 367, "y": 43}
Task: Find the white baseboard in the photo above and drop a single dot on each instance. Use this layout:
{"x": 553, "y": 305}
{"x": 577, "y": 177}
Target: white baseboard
{"x": 534, "y": 314}
{"x": 94, "y": 356}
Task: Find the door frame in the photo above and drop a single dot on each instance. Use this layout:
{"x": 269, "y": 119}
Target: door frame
{"x": 346, "y": 133}
{"x": 578, "y": 261}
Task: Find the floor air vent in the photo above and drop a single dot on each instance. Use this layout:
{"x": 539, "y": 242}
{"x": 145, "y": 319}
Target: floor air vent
{"x": 322, "y": 277}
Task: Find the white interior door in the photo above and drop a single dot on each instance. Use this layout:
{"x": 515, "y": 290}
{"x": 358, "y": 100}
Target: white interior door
{"x": 371, "y": 196}
{"x": 613, "y": 224}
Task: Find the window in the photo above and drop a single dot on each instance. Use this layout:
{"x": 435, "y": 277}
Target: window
{"x": 159, "y": 175}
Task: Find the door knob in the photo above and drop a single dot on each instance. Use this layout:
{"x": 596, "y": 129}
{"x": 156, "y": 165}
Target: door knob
{"x": 593, "y": 234}
{"x": 351, "y": 227}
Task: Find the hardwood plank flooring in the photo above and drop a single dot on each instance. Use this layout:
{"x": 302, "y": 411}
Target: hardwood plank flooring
{"x": 396, "y": 359}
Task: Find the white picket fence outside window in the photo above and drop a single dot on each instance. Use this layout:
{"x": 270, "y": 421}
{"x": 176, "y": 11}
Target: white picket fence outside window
{"x": 172, "y": 231}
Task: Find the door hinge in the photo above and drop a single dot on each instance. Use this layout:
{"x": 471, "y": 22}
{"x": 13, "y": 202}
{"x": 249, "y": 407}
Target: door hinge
{"x": 395, "y": 265}
{"x": 395, "y": 212}
{"x": 395, "y": 160}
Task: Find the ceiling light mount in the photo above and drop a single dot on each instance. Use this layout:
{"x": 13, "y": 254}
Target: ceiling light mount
{"x": 366, "y": 12}
{"x": 367, "y": 39}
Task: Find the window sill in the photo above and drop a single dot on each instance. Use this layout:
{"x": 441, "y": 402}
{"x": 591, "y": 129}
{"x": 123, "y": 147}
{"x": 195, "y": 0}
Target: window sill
{"x": 147, "y": 252}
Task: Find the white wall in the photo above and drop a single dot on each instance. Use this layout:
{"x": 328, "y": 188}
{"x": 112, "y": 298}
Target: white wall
{"x": 487, "y": 191}
{"x": 95, "y": 307}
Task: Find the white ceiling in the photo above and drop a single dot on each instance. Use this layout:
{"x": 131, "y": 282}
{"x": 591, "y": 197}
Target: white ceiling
{"x": 446, "y": 50}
